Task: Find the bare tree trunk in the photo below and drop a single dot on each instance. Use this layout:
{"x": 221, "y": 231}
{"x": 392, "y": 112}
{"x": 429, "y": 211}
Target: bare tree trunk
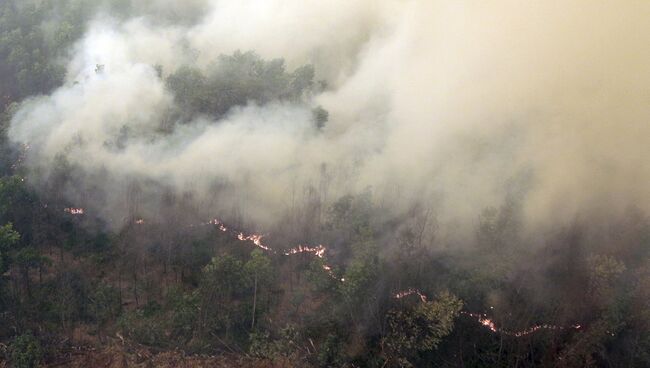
{"x": 135, "y": 287}
{"x": 254, "y": 302}
{"x": 24, "y": 272}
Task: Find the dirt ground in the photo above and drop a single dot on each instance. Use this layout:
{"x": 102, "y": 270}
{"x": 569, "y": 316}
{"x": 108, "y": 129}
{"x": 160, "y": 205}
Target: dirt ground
{"x": 121, "y": 357}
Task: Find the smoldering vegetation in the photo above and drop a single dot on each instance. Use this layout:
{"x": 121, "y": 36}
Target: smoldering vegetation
{"x": 491, "y": 156}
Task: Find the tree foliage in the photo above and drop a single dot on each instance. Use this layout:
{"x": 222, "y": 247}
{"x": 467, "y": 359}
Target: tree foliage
{"x": 237, "y": 80}
{"x": 26, "y": 351}
{"x": 419, "y": 328}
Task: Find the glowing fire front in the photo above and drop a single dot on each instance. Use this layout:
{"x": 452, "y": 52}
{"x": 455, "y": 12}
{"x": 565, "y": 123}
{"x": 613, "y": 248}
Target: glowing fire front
{"x": 488, "y": 323}
{"x": 319, "y": 251}
{"x": 256, "y": 239}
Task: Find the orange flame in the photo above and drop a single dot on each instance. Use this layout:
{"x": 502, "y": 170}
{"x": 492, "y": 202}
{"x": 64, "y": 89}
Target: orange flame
{"x": 256, "y": 239}
{"x": 318, "y": 251}
{"x": 485, "y": 321}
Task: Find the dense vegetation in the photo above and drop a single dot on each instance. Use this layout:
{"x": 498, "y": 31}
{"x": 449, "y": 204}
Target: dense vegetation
{"x": 66, "y": 280}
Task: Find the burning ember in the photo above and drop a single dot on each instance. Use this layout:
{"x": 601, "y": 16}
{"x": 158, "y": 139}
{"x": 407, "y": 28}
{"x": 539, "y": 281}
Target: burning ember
{"x": 405, "y": 293}
{"x": 74, "y": 211}
{"x": 218, "y": 223}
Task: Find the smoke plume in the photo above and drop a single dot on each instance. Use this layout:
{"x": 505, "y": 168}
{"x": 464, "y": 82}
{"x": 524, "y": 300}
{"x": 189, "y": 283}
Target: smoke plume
{"x": 459, "y": 105}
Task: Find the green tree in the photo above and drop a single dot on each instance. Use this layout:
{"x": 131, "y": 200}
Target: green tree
{"x": 235, "y": 80}
{"x": 183, "y": 309}
{"x": 18, "y": 207}
{"x": 319, "y": 279}
{"x": 190, "y": 89}
{"x": 28, "y": 258}
{"x": 419, "y": 328}
{"x": 222, "y": 286}
{"x": 285, "y": 345}
{"x": 260, "y": 271}
{"x": 26, "y": 351}
{"x": 331, "y": 353}
{"x": 104, "y": 305}
{"x": 8, "y": 240}
{"x": 321, "y": 116}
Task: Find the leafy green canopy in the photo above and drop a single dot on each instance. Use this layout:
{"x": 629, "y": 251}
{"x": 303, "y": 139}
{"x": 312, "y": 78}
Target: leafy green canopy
{"x": 235, "y": 80}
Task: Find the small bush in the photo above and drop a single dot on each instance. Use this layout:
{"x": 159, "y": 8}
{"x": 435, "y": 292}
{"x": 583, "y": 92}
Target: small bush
{"x": 26, "y": 351}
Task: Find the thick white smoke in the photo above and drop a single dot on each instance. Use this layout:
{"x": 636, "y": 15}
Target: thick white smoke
{"x": 447, "y": 100}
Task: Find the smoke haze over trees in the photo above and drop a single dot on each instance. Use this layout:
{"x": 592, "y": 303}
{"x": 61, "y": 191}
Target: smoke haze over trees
{"x": 491, "y": 159}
